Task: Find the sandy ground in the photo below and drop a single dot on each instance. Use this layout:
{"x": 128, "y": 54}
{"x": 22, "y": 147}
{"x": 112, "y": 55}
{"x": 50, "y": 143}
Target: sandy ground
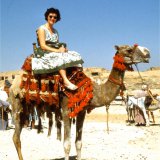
{"x": 122, "y": 143}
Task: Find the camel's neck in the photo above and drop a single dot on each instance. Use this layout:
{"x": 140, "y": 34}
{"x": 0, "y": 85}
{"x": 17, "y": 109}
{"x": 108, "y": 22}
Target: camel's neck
{"x": 104, "y": 94}
{"x": 117, "y": 75}
{"x": 114, "y": 84}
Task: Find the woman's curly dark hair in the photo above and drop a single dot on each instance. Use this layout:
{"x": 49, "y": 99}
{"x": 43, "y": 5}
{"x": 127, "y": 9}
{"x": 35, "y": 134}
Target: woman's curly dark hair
{"x": 52, "y": 10}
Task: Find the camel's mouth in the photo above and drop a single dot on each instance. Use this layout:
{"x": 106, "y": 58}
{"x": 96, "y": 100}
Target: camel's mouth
{"x": 140, "y": 55}
{"x": 128, "y": 60}
{"x": 146, "y": 60}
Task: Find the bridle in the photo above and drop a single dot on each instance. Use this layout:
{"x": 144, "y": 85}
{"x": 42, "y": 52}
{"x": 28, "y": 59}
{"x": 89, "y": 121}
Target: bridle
{"x": 119, "y": 83}
{"x": 121, "y": 66}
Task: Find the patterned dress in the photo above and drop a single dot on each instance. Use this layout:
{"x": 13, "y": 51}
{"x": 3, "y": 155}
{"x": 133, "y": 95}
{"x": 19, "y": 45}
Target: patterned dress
{"x": 54, "y": 61}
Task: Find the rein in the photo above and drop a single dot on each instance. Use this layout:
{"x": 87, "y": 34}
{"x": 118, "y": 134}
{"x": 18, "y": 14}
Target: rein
{"x": 149, "y": 92}
{"x": 119, "y": 83}
{"x": 116, "y": 81}
{"x": 139, "y": 74}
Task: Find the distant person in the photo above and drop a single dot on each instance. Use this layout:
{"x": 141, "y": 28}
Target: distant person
{"x": 139, "y": 117}
{"x": 4, "y": 105}
{"x": 7, "y": 85}
{"x": 54, "y": 58}
{"x": 4, "y": 93}
{"x": 149, "y": 93}
{"x": 6, "y": 111}
{"x": 3, "y": 98}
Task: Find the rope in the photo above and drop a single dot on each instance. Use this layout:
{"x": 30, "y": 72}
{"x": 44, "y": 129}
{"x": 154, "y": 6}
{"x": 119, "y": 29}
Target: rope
{"x": 149, "y": 92}
{"x": 107, "y": 108}
{"x": 73, "y": 75}
{"x": 139, "y": 74}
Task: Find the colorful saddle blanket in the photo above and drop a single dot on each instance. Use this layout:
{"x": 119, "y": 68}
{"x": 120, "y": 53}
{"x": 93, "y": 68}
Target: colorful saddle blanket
{"x": 48, "y": 87}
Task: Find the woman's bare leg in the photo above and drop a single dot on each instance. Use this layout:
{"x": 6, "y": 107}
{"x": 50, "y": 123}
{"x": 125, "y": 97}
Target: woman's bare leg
{"x": 67, "y": 83}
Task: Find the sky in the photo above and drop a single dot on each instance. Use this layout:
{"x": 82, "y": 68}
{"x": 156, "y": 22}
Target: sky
{"x": 90, "y": 27}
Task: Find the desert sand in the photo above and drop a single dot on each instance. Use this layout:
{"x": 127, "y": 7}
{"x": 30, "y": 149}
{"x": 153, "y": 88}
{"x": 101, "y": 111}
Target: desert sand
{"x": 123, "y": 142}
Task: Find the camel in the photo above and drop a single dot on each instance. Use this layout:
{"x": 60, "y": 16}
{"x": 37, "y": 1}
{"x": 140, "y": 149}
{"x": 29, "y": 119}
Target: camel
{"x": 103, "y": 95}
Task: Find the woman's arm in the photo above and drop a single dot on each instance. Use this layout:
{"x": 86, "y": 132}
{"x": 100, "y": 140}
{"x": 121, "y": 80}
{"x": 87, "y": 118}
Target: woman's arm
{"x": 42, "y": 42}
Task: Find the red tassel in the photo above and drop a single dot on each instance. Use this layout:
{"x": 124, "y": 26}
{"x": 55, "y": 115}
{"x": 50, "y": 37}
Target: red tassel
{"x": 27, "y": 97}
{"x": 72, "y": 115}
{"x": 43, "y": 87}
{"x": 119, "y": 63}
{"x": 50, "y": 99}
{"x": 33, "y": 86}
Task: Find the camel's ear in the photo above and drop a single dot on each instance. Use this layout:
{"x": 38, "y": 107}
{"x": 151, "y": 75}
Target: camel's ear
{"x": 116, "y": 47}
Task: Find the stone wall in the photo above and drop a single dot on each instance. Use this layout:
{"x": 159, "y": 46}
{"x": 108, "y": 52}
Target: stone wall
{"x": 9, "y": 75}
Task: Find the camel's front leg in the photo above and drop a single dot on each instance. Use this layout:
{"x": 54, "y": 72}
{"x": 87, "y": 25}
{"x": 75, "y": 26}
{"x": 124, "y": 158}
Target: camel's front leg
{"x": 67, "y": 136}
{"x": 50, "y": 117}
{"x": 16, "y": 135}
{"x": 67, "y": 128}
{"x": 79, "y": 128}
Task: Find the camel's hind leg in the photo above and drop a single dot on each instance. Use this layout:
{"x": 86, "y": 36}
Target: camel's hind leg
{"x": 79, "y": 128}
{"x": 18, "y": 121}
{"x": 16, "y": 136}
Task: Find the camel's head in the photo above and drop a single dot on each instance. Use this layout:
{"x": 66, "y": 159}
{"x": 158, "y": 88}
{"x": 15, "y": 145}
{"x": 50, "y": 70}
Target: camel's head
{"x": 133, "y": 54}
{"x": 128, "y": 55}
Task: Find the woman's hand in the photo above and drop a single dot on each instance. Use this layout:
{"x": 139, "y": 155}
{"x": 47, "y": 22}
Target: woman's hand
{"x": 62, "y": 49}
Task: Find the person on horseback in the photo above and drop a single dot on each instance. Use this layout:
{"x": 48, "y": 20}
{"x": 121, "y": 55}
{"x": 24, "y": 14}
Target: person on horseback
{"x": 54, "y": 58}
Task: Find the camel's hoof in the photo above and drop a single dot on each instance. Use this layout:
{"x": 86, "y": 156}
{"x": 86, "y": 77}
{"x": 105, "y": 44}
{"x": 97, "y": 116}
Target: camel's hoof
{"x": 59, "y": 138}
{"x": 128, "y": 124}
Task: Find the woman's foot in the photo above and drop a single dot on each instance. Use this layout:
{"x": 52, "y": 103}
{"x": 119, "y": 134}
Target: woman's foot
{"x": 71, "y": 86}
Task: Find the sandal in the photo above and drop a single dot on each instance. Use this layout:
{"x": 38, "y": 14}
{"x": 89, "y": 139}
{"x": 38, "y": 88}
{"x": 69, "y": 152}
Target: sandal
{"x": 71, "y": 87}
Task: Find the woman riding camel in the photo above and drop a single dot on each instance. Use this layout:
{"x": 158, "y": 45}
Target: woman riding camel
{"x": 54, "y": 59}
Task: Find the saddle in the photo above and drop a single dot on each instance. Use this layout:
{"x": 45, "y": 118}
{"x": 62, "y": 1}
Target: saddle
{"x": 48, "y": 88}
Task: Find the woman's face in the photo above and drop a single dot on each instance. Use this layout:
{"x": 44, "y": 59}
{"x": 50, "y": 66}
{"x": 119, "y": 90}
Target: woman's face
{"x": 52, "y": 18}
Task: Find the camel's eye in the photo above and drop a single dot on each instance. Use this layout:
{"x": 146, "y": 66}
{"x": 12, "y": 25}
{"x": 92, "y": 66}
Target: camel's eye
{"x": 129, "y": 50}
